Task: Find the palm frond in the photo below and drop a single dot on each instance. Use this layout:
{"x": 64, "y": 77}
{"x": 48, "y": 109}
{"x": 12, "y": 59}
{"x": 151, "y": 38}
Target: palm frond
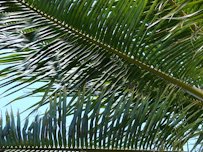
{"x": 113, "y": 123}
{"x": 139, "y": 62}
{"x": 60, "y": 45}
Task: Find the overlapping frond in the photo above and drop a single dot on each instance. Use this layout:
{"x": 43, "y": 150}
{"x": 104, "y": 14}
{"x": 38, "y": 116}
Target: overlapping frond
{"x": 124, "y": 122}
{"x": 130, "y": 29}
{"x": 48, "y": 34}
{"x": 125, "y": 54}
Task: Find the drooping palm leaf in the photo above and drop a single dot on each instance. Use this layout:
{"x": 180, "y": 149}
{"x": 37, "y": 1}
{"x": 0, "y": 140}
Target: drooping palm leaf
{"x": 133, "y": 123}
{"x": 129, "y": 49}
{"x": 50, "y": 35}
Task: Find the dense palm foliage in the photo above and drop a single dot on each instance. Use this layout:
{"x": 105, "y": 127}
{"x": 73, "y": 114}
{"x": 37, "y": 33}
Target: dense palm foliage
{"x": 128, "y": 74}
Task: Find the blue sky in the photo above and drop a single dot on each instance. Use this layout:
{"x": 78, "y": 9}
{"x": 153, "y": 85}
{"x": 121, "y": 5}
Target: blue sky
{"x": 20, "y": 105}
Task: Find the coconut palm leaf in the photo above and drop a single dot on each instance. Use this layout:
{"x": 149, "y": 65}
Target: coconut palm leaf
{"x": 125, "y": 123}
{"x": 139, "y": 64}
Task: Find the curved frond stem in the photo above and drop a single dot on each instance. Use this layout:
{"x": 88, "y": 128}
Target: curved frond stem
{"x": 79, "y": 149}
{"x": 192, "y": 90}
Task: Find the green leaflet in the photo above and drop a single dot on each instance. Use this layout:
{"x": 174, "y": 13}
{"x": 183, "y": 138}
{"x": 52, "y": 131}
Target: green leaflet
{"x": 111, "y": 67}
{"x": 122, "y": 124}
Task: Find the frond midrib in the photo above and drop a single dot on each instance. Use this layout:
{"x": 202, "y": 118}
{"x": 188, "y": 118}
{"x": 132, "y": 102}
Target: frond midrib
{"x": 78, "y": 149}
{"x": 194, "y": 91}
